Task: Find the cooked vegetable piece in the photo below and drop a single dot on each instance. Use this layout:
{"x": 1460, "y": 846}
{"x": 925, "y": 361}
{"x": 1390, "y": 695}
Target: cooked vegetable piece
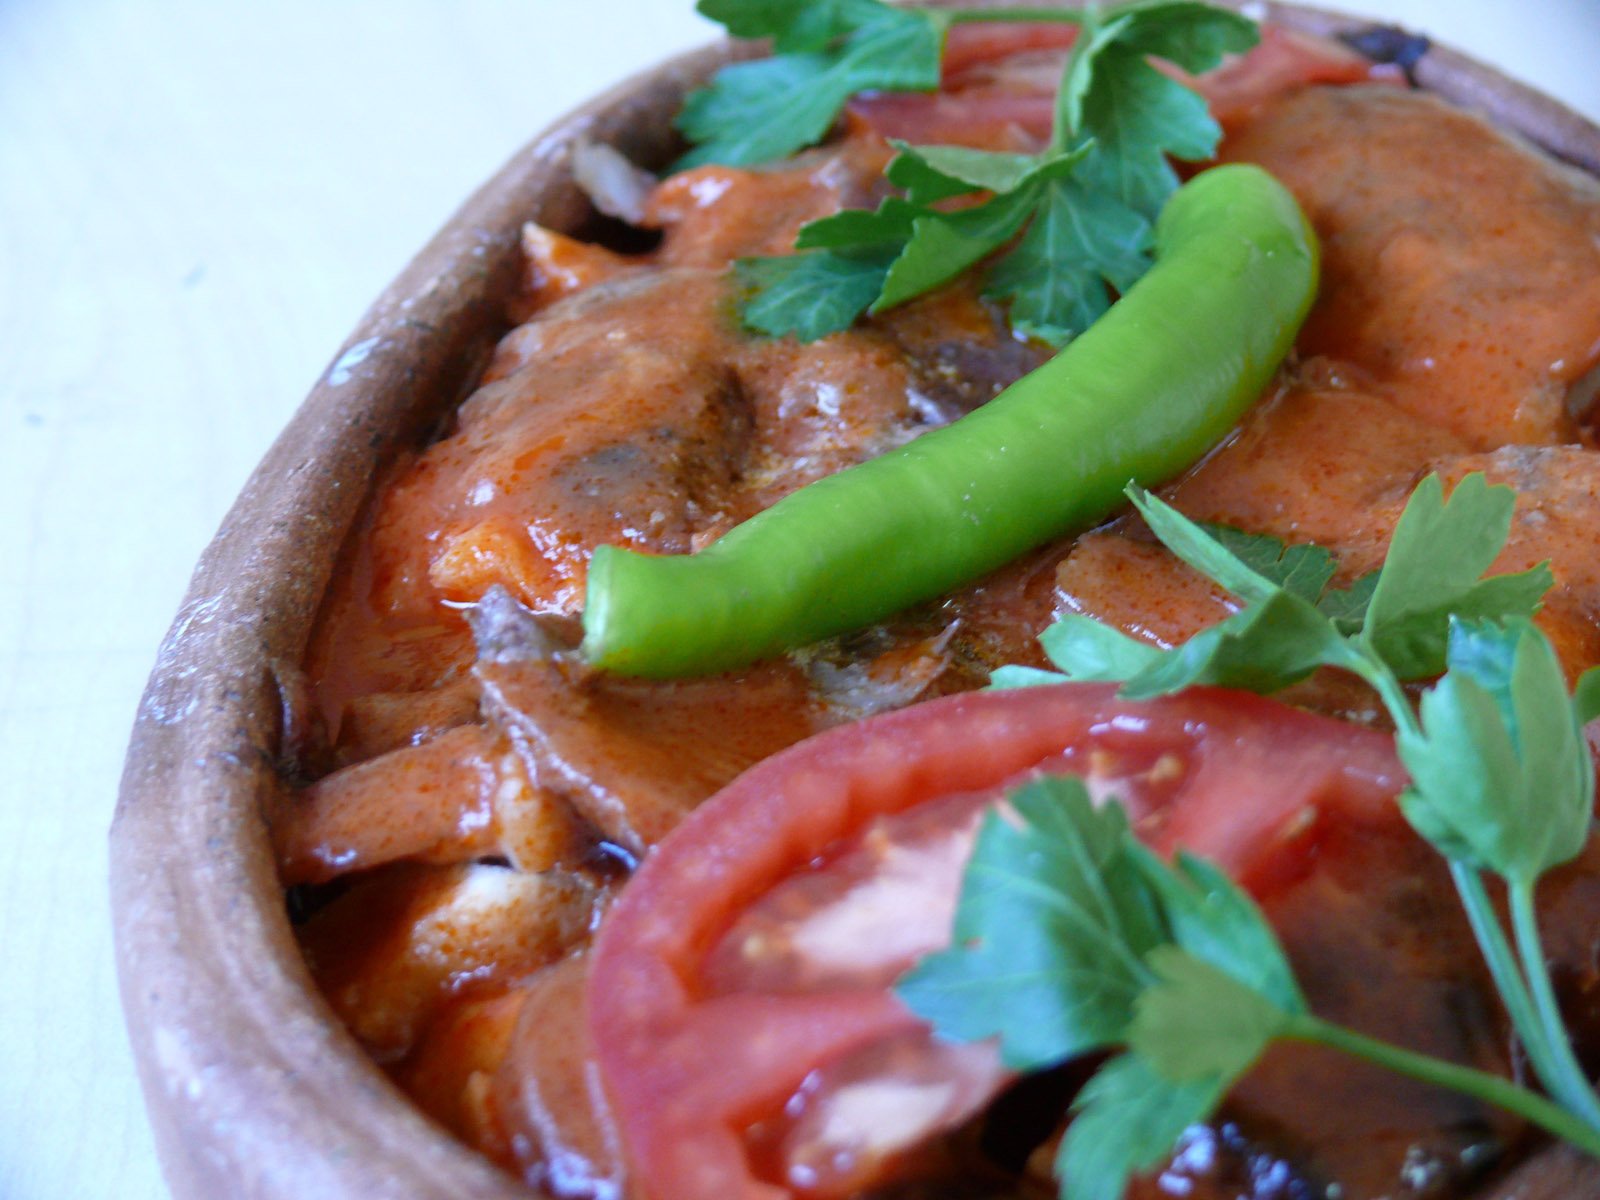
{"x": 1156, "y": 382}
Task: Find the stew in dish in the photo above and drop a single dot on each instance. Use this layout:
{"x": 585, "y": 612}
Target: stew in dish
{"x": 460, "y": 859}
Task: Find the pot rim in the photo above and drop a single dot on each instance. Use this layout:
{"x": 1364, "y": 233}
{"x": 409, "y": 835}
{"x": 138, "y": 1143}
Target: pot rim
{"x": 221, "y": 1010}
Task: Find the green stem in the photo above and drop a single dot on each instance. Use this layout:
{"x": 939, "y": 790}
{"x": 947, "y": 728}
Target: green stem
{"x": 1535, "y": 1017}
{"x": 1362, "y": 660}
{"x": 1492, "y": 1089}
{"x": 1031, "y": 16}
{"x": 1508, "y": 978}
{"x": 1568, "y": 1083}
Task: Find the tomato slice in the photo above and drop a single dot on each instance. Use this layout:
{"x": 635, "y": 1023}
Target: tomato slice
{"x": 740, "y": 1002}
{"x": 1008, "y": 103}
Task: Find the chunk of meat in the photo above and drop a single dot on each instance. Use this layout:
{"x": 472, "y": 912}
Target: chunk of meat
{"x": 555, "y": 266}
{"x": 632, "y": 756}
{"x": 378, "y": 722}
{"x": 548, "y": 1092}
{"x": 1140, "y": 587}
{"x": 462, "y": 795}
{"x": 1318, "y": 461}
{"x": 715, "y": 214}
{"x": 391, "y": 951}
{"x": 823, "y": 406}
{"x": 628, "y": 428}
{"x": 959, "y": 349}
{"x": 998, "y": 618}
{"x": 1380, "y": 943}
{"x": 450, "y": 1072}
{"x": 1557, "y": 519}
{"x": 1425, "y": 256}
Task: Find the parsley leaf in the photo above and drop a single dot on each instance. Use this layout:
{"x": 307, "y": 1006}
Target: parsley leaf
{"x": 1394, "y": 622}
{"x": 1138, "y": 116}
{"x": 942, "y": 245}
{"x": 1049, "y": 935}
{"x": 932, "y": 173}
{"x": 1128, "y": 1117}
{"x": 1432, "y": 572}
{"x": 1084, "y": 206}
{"x": 1586, "y": 698}
{"x": 923, "y": 247}
{"x": 1079, "y": 240}
{"x": 1012, "y": 676}
{"x": 1214, "y": 920}
{"x": 1071, "y": 937}
{"x": 1087, "y": 650}
{"x": 1305, "y": 569}
{"x": 1347, "y": 607}
{"x": 809, "y": 295}
{"x": 794, "y": 25}
{"x": 1263, "y": 648}
{"x": 1200, "y": 1023}
{"x": 1500, "y": 778}
{"x": 755, "y": 112}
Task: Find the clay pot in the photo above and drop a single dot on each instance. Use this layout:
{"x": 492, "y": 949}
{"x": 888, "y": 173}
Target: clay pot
{"x": 255, "y": 1090}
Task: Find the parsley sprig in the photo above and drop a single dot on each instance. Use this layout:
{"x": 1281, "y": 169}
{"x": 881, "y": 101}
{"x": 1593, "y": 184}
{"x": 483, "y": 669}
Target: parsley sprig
{"x": 1080, "y": 211}
{"x": 1195, "y": 986}
{"x": 824, "y": 52}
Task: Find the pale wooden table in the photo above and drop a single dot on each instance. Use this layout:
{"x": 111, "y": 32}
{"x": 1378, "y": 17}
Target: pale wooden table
{"x": 197, "y": 200}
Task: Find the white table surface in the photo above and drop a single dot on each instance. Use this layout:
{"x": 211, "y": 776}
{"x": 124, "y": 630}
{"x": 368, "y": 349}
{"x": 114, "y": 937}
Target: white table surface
{"x": 197, "y": 200}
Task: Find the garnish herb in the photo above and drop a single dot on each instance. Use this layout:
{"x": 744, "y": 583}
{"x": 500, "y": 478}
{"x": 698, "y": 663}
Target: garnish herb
{"x": 826, "y": 52}
{"x": 1501, "y": 782}
{"x": 1084, "y": 205}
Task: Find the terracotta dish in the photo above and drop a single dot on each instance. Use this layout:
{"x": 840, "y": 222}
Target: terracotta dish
{"x": 254, "y": 1088}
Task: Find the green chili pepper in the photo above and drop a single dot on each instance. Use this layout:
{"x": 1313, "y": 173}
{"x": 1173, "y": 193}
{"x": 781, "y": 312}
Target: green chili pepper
{"x": 1145, "y": 391}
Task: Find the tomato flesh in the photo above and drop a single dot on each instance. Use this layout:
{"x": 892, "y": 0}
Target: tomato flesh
{"x": 747, "y": 1035}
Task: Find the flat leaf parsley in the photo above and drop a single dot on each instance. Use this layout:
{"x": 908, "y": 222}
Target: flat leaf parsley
{"x": 827, "y": 51}
{"x": 1073, "y": 221}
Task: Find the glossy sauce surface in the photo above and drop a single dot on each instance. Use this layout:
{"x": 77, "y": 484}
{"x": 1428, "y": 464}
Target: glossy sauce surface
{"x": 480, "y": 780}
